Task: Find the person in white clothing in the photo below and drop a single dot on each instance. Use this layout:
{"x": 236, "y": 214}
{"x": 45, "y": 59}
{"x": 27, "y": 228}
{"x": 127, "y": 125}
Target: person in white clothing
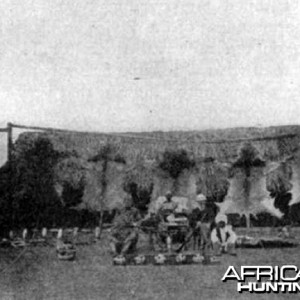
{"x": 223, "y": 237}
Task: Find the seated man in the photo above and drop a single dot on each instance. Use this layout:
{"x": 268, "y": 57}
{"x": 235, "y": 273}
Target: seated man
{"x": 124, "y": 234}
{"x": 166, "y": 214}
{"x": 223, "y": 237}
{"x": 167, "y": 208}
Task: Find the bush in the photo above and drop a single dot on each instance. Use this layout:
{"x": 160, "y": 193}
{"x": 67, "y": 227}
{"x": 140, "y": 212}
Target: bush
{"x": 175, "y": 161}
{"x": 30, "y": 186}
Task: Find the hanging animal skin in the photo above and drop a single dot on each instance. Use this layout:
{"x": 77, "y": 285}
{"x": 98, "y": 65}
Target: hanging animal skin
{"x": 247, "y": 192}
{"x": 295, "y": 179}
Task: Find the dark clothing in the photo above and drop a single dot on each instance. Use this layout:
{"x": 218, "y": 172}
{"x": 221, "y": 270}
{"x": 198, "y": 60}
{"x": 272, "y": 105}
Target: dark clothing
{"x": 220, "y": 236}
{"x": 123, "y": 223}
{"x": 203, "y": 216}
{"x": 201, "y": 222}
{"x": 167, "y": 208}
{"x": 124, "y": 233}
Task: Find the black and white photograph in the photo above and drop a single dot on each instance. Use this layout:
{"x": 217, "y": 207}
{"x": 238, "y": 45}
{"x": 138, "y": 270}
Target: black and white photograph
{"x": 149, "y": 149}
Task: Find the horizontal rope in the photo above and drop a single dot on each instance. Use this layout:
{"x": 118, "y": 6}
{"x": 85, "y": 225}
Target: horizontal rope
{"x": 126, "y": 135}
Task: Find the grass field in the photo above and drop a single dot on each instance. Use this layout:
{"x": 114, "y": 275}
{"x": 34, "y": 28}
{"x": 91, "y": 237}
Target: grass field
{"x": 37, "y": 274}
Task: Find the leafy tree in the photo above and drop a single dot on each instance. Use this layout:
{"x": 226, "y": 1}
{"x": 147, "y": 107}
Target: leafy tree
{"x": 32, "y": 185}
{"x": 71, "y": 195}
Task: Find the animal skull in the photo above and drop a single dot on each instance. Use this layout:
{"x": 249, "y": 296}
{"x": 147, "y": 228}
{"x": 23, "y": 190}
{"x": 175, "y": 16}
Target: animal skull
{"x": 160, "y": 259}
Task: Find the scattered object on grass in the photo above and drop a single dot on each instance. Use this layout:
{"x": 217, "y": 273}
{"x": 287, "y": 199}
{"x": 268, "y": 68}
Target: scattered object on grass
{"x": 75, "y": 231}
{"x": 18, "y": 243}
{"x": 180, "y": 258}
{"x": 244, "y": 239}
{"x": 67, "y": 254}
{"x": 5, "y": 243}
{"x": 59, "y": 233}
{"x": 213, "y": 259}
{"x": 285, "y": 233}
{"x": 165, "y": 259}
{"x": 119, "y": 260}
{"x": 97, "y": 232}
{"x": 25, "y": 234}
{"x": 160, "y": 259}
{"x": 44, "y": 232}
{"x": 140, "y": 259}
{"x": 37, "y": 241}
{"x": 65, "y": 251}
{"x": 198, "y": 258}
{"x": 264, "y": 242}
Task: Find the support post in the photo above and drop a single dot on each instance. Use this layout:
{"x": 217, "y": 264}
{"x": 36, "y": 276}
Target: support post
{"x": 101, "y": 222}
{"x": 248, "y": 221}
{"x": 9, "y": 142}
{"x": 9, "y": 162}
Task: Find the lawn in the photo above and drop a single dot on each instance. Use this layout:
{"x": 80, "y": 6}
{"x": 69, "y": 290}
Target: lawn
{"x": 37, "y": 274}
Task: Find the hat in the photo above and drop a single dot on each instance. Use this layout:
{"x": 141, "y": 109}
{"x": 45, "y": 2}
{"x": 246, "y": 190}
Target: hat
{"x": 168, "y": 193}
{"x": 201, "y": 198}
{"x": 221, "y": 218}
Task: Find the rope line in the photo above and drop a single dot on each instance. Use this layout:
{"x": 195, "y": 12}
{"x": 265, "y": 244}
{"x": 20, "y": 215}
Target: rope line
{"x": 126, "y": 135}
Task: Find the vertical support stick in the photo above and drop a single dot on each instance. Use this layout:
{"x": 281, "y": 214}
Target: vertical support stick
{"x": 248, "y": 221}
{"x": 9, "y": 160}
{"x": 9, "y": 142}
{"x": 97, "y": 233}
{"x": 101, "y": 222}
{"x": 169, "y": 243}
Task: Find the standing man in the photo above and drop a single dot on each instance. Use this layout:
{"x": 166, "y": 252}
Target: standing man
{"x": 201, "y": 220}
{"x": 124, "y": 234}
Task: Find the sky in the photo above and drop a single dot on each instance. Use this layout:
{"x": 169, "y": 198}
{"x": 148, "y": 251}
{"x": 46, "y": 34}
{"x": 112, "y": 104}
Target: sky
{"x": 142, "y": 65}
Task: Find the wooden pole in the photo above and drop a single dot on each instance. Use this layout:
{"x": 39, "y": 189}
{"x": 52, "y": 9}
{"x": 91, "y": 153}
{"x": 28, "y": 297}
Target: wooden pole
{"x": 9, "y": 142}
{"x": 10, "y": 179}
{"x": 103, "y": 191}
{"x": 8, "y": 130}
{"x": 101, "y": 223}
{"x": 248, "y": 221}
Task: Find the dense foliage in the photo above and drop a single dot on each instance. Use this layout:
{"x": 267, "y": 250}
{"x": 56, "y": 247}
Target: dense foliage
{"x": 28, "y": 184}
{"x": 28, "y": 197}
{"x": 175, "y": 161}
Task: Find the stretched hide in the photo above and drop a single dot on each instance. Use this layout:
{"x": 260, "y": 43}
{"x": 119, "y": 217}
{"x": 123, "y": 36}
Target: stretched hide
{"x": 296, "y": 180}
{"x": 248, "y": 194}
{"x": 114, "y": 194}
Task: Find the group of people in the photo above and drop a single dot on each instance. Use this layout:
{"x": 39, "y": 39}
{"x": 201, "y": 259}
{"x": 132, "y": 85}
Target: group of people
{"x": 213, "y": 233}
